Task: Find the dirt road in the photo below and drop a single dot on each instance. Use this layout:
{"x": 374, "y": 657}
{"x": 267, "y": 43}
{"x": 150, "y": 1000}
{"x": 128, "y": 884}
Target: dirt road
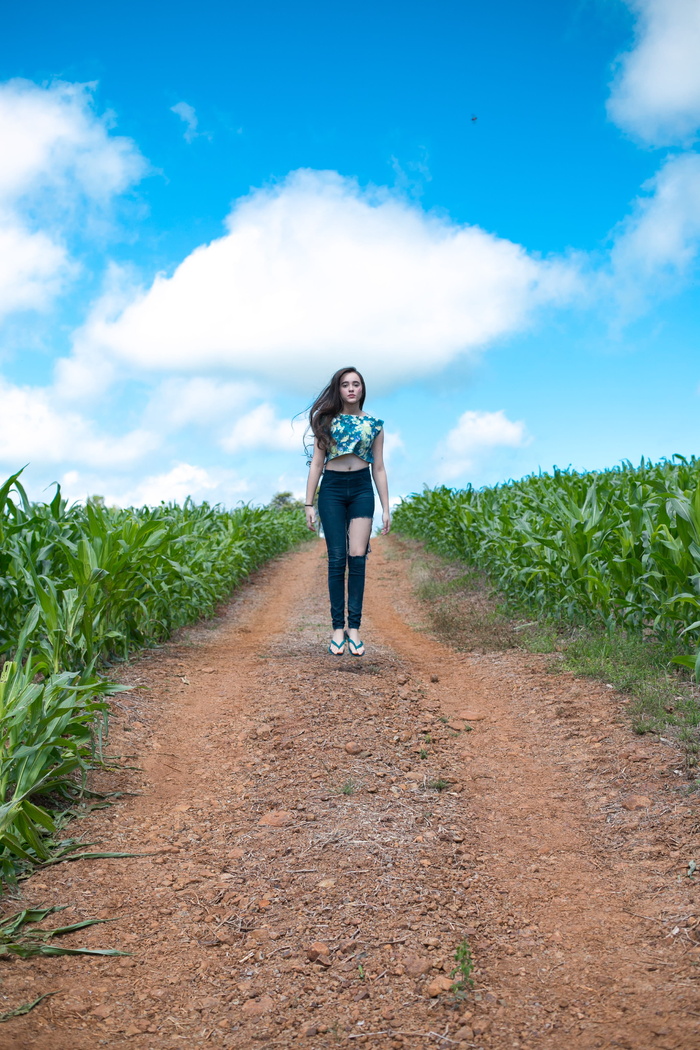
{"x": 325, "y": 833}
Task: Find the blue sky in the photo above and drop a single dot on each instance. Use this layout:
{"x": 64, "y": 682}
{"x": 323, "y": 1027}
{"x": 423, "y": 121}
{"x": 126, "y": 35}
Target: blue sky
{"x": 204, "y": 212}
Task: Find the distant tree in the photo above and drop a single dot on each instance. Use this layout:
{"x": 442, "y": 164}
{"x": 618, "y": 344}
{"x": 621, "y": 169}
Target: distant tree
{"x": 284, "y": 501}
{"x": 99, "y": 502}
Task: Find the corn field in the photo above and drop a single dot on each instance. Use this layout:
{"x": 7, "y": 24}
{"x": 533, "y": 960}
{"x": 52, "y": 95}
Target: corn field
{"x": 81, "y": 587}
{"x": 619, "y": 548}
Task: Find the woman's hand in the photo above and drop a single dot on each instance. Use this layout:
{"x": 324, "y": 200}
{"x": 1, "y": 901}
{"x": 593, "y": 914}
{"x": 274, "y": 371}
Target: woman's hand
{"x": 386, "y": 522}
{"x": 310, "y": 518}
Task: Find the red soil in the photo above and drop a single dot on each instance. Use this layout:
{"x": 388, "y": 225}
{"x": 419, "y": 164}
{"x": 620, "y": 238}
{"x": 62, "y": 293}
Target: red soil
{"x": 303, "y": 892}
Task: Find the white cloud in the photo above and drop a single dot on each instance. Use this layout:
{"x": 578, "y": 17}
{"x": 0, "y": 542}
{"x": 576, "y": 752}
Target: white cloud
{"x": 175, "y": 485}
{"x": 31, "y": 268}
{"x": 475, "y": 436}
{"x": 200, "y": 401}
{"x": 316, "y": 271}
{"x": 660, "y": 238}
{"x": 60, "y": 167}
{"x": 261, "y": 430}
{"x": 51, "y": 137}
{"x": 656, "y": 94}
{"x": 35, "y": 428}
{"x": 85, "y": 375}
{"x": 188, "y": 115}
{"x": 393, "y": 445}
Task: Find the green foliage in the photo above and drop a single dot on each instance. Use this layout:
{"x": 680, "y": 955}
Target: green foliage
{"x": 25, "y": 943}
{"x": 102, "y": 580}
{"x": 47, "y": 738}
{"x": 464, "y": 967}
{"x": 285, "y": 501}
{"x": 619, "y": 548}
{"x": 83, "y": 586}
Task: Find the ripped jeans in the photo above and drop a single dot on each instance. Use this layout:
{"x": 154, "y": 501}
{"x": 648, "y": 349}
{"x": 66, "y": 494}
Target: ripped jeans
{"x": 344, "y": 495}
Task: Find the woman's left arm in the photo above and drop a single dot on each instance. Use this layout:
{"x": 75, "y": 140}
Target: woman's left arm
{"x": 380, "y": 480}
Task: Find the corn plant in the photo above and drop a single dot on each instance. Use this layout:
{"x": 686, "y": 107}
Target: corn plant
{"x": 81, "y": 587}
{"x": 619, "y": 548}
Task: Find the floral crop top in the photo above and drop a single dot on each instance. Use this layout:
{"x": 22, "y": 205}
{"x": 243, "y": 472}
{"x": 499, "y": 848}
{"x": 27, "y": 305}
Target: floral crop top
{"x": 353, "y": 434}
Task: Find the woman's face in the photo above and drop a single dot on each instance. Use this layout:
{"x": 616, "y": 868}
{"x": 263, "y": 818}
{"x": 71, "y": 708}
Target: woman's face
{"x": 350, "y": 389}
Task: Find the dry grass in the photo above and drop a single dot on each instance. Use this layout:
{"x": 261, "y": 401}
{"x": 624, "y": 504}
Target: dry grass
{"x": 463, "y": 610}
{"x": 460, "y": 605}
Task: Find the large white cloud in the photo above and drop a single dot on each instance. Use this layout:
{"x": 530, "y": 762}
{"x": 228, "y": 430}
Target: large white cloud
{"x": 656, "y": 94}
{"x": 261, "y": 429}
{"x": 35, "y": 428}
{"x": 175, "y": 485}
{"x": 661, "y": 236}
{"x": 656, "y": 97}
{"x": 315, "y": 272}
{"x": 60, "y": 166}
{"x": 198, "y": 401}
{"x": 474, "y": 438}
{"x": 52, "y": 137}
{"x": 31, "y": 267}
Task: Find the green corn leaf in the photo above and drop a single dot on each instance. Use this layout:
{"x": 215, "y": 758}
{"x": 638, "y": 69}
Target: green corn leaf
{"x": 25, "y": 1007}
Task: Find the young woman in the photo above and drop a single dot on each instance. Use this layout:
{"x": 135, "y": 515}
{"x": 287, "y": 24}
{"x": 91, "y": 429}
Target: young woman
{"x": 346, "y": 441}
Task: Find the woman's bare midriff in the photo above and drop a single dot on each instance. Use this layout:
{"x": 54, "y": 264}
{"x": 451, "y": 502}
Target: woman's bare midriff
{"x": 348, "y": 462}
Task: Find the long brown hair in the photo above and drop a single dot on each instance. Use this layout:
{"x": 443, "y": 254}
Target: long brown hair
{"x": 327, "y": 406}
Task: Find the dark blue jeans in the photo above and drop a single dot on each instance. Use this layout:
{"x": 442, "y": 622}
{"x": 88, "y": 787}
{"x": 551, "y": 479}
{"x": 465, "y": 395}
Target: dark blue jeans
{"x": 344, "y": 495}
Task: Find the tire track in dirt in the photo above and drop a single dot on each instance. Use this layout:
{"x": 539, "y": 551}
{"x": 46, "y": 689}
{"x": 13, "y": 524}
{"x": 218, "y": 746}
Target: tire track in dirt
{"x": 583, "y": 838}
{"x": 305, "y": 892}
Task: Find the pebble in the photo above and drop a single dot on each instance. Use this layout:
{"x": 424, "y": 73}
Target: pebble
{"x": 472, "y": 716}
{"x": 79, "y": 1007}
{"x": 417, "y": 966}
{"x": 276, "y": 818}
{"x": 257, "y": 1007}
{"x": 636, "y": 802}
{"x": 319, "y": 952}
{"x": 308, "y": 1030}
{"x": 353, "y": 748}
{"x": 437, "y": 986}
{"x": 434, "y": 678}
{"x": 465, "y": 1032}
{"x": 635, "y": 756}
{"x": 100, "y": 1012}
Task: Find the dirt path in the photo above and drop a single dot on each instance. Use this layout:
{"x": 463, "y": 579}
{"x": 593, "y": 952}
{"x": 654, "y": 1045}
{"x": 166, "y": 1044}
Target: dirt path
{"x": 326, "y": 832}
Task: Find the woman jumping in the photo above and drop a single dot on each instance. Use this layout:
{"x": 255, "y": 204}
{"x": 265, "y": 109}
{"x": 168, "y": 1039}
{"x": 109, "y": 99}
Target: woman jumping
{"x": 346, "y": 441}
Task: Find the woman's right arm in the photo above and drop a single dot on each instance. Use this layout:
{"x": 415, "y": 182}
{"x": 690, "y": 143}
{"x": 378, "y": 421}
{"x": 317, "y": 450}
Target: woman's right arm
{"x": 315, "y": 470}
